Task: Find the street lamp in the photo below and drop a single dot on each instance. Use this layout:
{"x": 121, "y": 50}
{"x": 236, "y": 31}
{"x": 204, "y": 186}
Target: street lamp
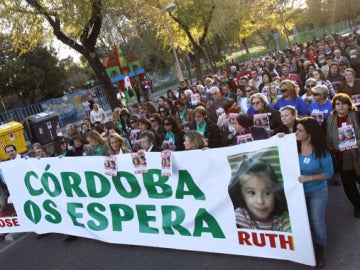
{"x": 169, "y": 8}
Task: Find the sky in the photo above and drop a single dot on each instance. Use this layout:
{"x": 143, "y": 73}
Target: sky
{"x": 65, "y": 51}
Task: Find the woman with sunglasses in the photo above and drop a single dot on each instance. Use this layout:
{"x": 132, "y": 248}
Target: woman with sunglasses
{"x": 61, "y": 148}
{"x": 321, "y": 106}
{"x": 183, "y": 114}
{"x": 163, "y": 112}
{"x": 260, "y": 105}
{"x": 289, "y": 96}
{"x": 308, "y": 96}
{"x": 134, "y": 121}
{"x": 245, "y": 102}
{"x": 156, "y": 123}
{"x": 145, "y": 124}
{"x": 174, "y": 136}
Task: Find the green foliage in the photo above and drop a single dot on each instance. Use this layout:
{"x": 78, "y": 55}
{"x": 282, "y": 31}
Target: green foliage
{"x": 32, "y": 76}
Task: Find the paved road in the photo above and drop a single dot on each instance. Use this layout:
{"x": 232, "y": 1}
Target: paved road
{"x": 50, "y": 252}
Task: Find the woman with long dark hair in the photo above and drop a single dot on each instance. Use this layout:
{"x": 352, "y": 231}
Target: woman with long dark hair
{"x": 174, "y": 136}
{"x": 315, "y": 167}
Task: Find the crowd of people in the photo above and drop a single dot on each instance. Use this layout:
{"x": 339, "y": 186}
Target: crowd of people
{"x": 311, "y": 89}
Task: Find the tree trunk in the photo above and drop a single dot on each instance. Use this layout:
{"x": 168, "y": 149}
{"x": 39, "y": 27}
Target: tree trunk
{"x": 100, "y": 72}
{"x": 197, "y": 56}
{"x": 245, "y": 45}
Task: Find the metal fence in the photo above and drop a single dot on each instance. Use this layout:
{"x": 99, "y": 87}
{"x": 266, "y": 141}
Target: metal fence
{"x": 69, "y": 108}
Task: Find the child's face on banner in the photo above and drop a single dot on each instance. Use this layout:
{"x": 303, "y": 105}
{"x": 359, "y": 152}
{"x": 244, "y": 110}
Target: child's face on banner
{"x": 258, "y": 195}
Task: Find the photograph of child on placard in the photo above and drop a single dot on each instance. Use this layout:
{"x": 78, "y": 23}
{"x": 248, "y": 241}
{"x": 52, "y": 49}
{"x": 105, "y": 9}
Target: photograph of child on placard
{"x": 356, "y": 99}
{"x": 166, "y": 163}
{"x": 318, "y": 116}
{"x": 6, "y": 207}
{"x": 110, "y": 166}
{"x": 240, "y": 139}
{"x": 262, "y": 120}
{"x": 257, "y": 192}
{"x": 347, "y": 139}
{"x": 139, "y": 162}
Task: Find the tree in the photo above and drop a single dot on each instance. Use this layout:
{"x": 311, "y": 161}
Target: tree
{"x": 76, "y": 74}
{"x": 75, "y": 23}
{"x": 32, "y": 77}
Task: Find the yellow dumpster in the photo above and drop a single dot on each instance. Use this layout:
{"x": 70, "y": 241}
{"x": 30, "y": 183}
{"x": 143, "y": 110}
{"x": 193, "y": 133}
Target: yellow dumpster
{"x": 12, "y": 133}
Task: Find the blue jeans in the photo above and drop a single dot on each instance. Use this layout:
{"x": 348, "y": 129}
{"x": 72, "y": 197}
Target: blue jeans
{"x": 316, "y": 202}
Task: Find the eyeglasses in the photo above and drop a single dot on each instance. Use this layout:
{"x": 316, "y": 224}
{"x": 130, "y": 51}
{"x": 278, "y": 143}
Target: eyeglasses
{"x": 310, "y": 85}
{"x": 256, "y": 103}
{"x": 283, "y": 90}
{"x": 167, "y": 124}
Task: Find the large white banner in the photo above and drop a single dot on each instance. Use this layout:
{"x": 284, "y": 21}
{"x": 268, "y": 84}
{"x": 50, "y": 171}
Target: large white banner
{"x": 243, "y": 200}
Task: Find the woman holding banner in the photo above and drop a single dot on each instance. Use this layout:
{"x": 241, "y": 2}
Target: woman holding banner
{"x": 98, "y": 143}
{"x": 315, "y": 167}
{"x": 260, "y": 105}
{"x": 347, "y": 153}
{"x": 245, "y": 131}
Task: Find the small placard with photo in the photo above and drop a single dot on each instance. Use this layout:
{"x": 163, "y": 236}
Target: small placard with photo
{"x": 356, "y": 99}
{"x": 168, "y": 145}
{"x": 240, "y": 139}
{"x": 347, "y": 139}
{"x": 110, "y": 166}
{"x": 166, "y": 163}
{"x": 139, "y": 162}
{"x": 318, "y": 116}
{"x": 262, "y": 120}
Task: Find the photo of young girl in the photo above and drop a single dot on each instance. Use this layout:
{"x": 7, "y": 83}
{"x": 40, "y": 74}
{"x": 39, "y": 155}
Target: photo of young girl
{"x": 110, "y": 166}
{"x": 258, "y": 196}
{"x": 166, "y": 163}
{"x": 6, "y": 208}
{"x": 139, "y": 162}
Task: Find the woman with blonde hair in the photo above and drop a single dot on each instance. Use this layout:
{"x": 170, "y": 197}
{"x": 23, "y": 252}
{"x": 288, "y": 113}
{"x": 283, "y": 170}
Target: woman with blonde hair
{"x": 98, "y": 143}
{"x": 116, "y": 145}
{"x": 289, "y": 96}
{"x": 321, "y": 106}
{"x": 193, "y": 139}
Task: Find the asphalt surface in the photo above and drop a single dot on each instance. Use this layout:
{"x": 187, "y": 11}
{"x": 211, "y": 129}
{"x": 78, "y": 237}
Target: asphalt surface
{"x": 51, "y": 252}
